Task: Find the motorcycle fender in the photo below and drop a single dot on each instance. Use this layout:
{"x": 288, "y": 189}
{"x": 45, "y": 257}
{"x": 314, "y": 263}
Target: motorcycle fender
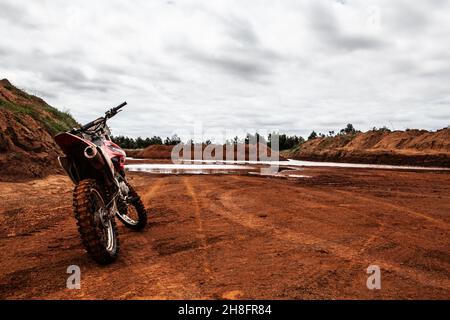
{"x": 67, "y": 165}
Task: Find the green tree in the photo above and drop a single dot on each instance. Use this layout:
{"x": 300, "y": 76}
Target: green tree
{"x": 349, "y": 129}
{"x": 313, "y": 135}
{"x": 156, "y": 140}
{"x": 174, "y": 140}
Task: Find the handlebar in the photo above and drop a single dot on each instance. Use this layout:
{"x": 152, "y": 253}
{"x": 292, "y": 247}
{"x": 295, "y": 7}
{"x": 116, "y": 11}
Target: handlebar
{"x": 91, "y": 124}
{"x": 111, "y": 113}
{"x": 120, "y": 106}
{"x": 108, "y": 114}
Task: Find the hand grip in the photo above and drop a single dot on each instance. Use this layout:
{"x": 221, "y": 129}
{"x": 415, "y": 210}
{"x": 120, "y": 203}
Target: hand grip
{"x": 123, "y": 104}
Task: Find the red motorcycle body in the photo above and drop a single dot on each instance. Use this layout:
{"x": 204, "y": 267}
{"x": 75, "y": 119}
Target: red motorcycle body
{"x": 115, "y": 153}
{"x": 106, "y": 159}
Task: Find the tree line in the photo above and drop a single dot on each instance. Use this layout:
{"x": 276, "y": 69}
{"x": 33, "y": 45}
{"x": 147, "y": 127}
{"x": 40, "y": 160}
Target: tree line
{"x": 141, "y": 143}
{"x": 285, "y": 141}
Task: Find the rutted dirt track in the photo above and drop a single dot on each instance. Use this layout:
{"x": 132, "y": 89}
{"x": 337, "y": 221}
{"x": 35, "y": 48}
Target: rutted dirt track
{"x": 238, "y": 236}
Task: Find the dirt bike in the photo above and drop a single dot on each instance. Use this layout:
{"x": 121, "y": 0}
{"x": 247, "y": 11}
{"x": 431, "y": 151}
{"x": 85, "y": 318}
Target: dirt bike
{"x": 96, "y": 165}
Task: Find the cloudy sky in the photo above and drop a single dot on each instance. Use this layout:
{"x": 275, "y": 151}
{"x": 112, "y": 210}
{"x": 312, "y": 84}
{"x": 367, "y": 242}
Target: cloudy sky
{"x": 290, "y": 65}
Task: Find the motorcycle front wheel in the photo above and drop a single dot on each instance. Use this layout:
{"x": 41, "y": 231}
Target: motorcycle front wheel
{"x": 96, "y": 226}
{"x": 132, "y": 212}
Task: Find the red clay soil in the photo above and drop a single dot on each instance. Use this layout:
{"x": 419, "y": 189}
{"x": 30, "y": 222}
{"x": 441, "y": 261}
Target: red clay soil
{"x": 134, "y": 153}
{"x": 237, "y": 236}
{"x": 155, "y": 152}
{"x": 27, "y": 149}
{"x": 411, "y": 147}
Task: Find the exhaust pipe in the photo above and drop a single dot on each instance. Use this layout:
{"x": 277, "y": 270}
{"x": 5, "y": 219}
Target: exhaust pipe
{"x": 90, "y": 152}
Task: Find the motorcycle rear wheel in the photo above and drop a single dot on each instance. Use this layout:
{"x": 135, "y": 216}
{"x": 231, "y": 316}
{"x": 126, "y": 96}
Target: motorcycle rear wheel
{"x": 98, "y": 231}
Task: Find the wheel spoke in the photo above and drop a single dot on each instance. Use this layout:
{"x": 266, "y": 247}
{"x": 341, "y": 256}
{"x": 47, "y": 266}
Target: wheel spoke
{"x": 102, "y": 220}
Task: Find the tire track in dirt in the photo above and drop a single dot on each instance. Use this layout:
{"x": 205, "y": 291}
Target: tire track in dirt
{"x": 424, "y": 277}
{"x": 149, "y": 275}
{"x": 398, "y": 208}
{"x": 151, "y": 192}
{"x": 405, "y": 252}
{"x": 160, "y": 274}
{"x": 311, "y": 197}
{"x": 228, "y": 200}
{"x": 313, "y": 194}
{"x": 200, "y": 232}
{"x": 377, "y": 202}
{"x": 309, "y": 273}
{"x": 172, "y": 283}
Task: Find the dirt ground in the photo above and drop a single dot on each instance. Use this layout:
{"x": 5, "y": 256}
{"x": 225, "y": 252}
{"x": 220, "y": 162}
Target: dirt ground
{"x": 240, "y": 236}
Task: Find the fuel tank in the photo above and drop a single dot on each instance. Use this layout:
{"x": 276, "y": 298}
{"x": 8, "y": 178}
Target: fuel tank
{"x": 116, "y": 154}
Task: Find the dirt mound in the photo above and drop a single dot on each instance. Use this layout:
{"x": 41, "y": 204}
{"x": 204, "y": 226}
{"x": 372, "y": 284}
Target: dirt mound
{"x": 410, "y": 147}
{"x": 27, "y": 124}
{"x": 165, "y": 152}
{"x": 133, "y": 153}
{"x": 156, "y": 152}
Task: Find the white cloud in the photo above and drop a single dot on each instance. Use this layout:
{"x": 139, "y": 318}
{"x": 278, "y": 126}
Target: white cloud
{"x": 293, "y": 65}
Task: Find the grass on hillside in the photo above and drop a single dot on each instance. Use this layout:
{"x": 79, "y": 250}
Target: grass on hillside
{"x": 59, "y": 121}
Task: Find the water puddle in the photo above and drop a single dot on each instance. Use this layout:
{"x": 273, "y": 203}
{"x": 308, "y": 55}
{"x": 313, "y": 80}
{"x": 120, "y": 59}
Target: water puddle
{"x": 136, "y": 159}
{"x": 169, "y": 168}
{"x": 286, "y": 169}
{"x": 298, "y": 176}
{"x": 295, "y": 164}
